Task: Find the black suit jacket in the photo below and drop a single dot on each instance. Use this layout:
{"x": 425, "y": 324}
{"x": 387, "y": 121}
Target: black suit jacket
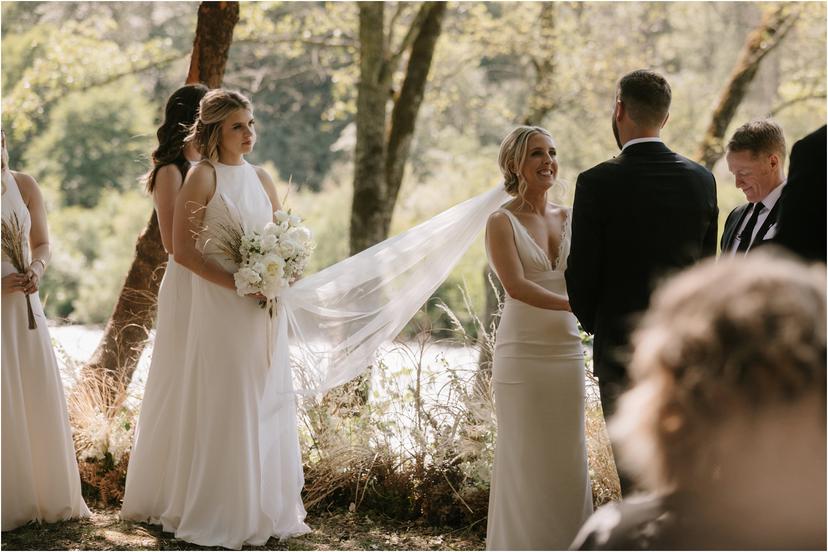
{"x": 802, "y": 211}
{"x": 734, "y": 221}
{"x": 637, "y": 218}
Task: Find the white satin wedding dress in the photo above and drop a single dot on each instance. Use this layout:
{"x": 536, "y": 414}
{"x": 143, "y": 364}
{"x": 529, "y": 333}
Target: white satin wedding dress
{"x": 218, "y": 491}
{"x": 40, "y": 479}
{"x": 540, "y": 492}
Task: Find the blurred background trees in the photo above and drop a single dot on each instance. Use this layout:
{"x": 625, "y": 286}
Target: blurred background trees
{"x": 84, "y": 84}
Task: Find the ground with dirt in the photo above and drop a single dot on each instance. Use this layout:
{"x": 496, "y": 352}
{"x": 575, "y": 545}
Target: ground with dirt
{"x": 331, "y": 531}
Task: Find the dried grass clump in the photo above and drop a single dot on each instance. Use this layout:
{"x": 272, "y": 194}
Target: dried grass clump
{"x": 103, "y": 428}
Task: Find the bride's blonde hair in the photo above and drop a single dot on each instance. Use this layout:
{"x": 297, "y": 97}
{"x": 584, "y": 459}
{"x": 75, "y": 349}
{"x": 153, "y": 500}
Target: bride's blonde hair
{"x": 214, "y": 108}
{"x": 512, "y": 156}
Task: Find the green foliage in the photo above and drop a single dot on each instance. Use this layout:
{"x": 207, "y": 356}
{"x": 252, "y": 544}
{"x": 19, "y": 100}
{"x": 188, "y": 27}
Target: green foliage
{"x": 84, "y": 84}
{"x": 95, "y": 140}
{"x": 93, "y": 249}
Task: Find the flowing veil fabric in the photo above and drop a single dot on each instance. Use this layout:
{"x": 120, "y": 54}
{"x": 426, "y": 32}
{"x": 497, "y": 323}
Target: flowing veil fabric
{"x": 333, "y": 322}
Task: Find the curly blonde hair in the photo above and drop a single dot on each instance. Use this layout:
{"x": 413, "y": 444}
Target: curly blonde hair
{"x": 512, "y": 156}
{"x": 722, "y": 342}
{"x": 213, "y": 109}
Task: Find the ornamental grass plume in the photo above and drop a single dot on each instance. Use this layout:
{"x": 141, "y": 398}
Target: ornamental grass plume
{"x": 12, "y": 242}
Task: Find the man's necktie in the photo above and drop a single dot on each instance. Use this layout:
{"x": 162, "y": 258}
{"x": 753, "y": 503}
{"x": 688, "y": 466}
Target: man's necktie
{"x": 747, "y": 234}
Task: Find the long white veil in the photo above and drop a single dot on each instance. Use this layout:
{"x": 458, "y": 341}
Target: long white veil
{"x": 334, "y": 321}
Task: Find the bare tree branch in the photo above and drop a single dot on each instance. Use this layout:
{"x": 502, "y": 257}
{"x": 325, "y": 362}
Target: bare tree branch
{"x": 793, "y": 101}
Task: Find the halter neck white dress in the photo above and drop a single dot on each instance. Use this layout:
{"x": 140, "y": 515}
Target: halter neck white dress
{"x": 540, "y": 491}
{"x": 40, "y": 478}
{"x": 151, "y": 464}
{"x": 219, "y": 492}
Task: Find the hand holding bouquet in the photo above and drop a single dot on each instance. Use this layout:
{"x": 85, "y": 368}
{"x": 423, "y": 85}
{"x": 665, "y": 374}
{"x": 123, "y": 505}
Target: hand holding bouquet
{"x": 271, "y": 259}
{"x": 13, "y": 240}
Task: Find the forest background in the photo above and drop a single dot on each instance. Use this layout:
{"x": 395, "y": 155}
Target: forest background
{"x": 84, "y": 84}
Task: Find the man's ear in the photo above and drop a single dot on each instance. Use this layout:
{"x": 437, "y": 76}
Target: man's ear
{"x": 620, "y": 109}
{"x": 774, "y": 161}
{"x": 664, "y": 122}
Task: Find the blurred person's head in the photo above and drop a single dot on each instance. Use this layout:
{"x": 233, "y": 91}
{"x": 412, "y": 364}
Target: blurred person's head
{"x": 528, "y": 159}
{"x": 756, "y": 158}
{"x": 728, "y": 394}
{"x": 179, "y": 115}
{"x": 642, "y": 105}
{"x": 224, "y": 125}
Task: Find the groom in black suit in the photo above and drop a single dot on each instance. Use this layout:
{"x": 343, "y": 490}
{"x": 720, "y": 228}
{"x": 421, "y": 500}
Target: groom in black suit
{"x": 756, "y": 157}
{"x": 641, "y": 216}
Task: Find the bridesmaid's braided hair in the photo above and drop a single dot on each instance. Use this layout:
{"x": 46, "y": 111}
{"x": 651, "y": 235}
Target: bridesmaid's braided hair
{"x": 512, "y": 155}
{"x": 179, "y": 115}
{"x": 214, "y": 108}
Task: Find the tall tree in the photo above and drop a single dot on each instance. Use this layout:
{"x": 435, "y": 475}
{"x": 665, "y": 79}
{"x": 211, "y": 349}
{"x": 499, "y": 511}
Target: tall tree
{"x": 126, "y": 332}
{"x": 775, "y": 24}
{"x": 542, "y": 98}
{"x": 382, "y": 148}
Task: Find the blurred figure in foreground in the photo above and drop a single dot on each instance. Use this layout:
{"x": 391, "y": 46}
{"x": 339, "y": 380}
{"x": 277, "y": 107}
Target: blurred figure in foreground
{"x": 725, "y": 424}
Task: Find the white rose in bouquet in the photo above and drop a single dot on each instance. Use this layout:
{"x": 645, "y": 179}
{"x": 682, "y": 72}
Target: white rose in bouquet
{"x": 281, "y": 216}
{"x": 270, "y": 259}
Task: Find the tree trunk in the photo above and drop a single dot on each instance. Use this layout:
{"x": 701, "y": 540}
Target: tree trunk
{"x": 542, "y": 97}
{"x": 762, "y": 40}
{"x": 211, "y": 47}
{"x": 369, "y": 160}
{"x": 381, "y": 153}
{"x": 126, "y": 332}
{"x": 404, "y": 114}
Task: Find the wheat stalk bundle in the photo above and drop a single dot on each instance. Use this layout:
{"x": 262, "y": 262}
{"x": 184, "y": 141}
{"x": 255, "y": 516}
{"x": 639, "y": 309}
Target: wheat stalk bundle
{"x": 12, "y": 243}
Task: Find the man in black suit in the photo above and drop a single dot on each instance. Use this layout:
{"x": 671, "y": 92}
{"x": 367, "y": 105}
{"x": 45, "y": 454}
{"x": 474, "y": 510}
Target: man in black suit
{"x": 637, "y": 218}
{"x": 756, "y": 157}
{"x": 802, "y": 217}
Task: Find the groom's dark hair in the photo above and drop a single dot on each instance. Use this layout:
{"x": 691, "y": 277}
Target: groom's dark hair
{"x": 646, "y": 96}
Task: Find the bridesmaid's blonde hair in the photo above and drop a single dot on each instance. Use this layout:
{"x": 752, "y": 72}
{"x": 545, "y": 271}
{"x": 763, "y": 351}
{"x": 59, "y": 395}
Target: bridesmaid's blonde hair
{"x": 512, "y": 155}
{"x": 214, "y": 108}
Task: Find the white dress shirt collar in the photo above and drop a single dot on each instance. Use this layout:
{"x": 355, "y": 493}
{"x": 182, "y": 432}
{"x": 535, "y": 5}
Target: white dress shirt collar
{"x": 641, "y": 140}
{"x": 773, "y": 196}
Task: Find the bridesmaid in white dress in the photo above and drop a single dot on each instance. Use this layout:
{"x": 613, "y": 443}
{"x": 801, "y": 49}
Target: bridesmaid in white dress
{"x": 151, "y": 465}
{"x": 540, "y": 492}
{"x": 221, "y": 494}
{"x": 40, "y": 478}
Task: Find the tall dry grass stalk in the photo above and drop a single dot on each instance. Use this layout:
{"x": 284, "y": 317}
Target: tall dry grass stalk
{"x": 102, "y": 426}
{"x": 13, "y": 238}
{"x": 225, "y": 232}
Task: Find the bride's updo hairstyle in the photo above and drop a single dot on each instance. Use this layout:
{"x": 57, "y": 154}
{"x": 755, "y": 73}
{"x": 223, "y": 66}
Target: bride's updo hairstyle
{"x": 512, "y": 155}
{"x": 213, "y": 109}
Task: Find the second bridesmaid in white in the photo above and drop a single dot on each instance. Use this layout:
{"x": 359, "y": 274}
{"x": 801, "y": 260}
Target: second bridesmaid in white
{"x": 151, "y": 467}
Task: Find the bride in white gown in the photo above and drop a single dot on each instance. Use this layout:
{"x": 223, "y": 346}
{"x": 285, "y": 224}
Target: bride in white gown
{"x": 220, "y": 493}
{"x": 540, "y": 494}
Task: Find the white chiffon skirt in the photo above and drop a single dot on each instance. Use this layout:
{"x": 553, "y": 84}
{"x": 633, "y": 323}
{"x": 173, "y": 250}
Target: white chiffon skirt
{"x": 40, "y": 479}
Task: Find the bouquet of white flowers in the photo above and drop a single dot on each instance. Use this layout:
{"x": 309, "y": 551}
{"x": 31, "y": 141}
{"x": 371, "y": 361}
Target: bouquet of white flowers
{"x": 272, "y": 259}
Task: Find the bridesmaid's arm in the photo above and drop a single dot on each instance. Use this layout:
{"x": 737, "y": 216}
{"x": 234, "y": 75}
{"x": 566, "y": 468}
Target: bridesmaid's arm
{"x": 504, "y": 256}
{"x": 39, "y": 233}
{"x": 198, "y": 189}
{"x": 269, "y": 188}
{"x": 167, "y": 185}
